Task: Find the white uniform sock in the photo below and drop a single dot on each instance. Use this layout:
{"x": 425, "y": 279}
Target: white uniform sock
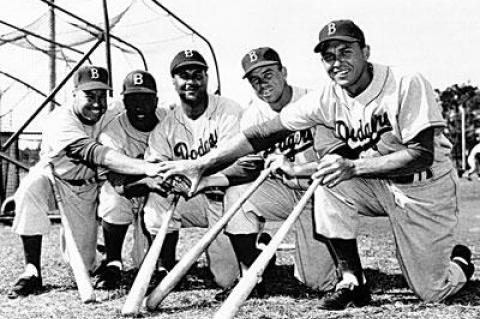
{"x": 30, "y": 270}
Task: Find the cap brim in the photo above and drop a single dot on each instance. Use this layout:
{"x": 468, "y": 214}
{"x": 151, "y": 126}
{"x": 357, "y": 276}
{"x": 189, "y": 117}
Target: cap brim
{"x": 318, "y": 47}
{"x": 138, "y": 90}
{"x": 259, "y": 64}
{"x": 93, "y": 86}
{"x": 189, "y": 63}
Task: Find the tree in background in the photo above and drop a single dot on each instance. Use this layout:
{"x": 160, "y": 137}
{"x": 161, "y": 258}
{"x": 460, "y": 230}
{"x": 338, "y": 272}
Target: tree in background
{"x": 451, "y": 100}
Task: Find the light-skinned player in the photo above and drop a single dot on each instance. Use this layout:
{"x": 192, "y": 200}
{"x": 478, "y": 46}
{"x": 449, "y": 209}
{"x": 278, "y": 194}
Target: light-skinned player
{"x": 274, "y": 200}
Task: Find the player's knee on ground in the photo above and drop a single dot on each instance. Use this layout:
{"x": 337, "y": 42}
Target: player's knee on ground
{"x": 438, "y": 289}
{"x": 222, "y": 261}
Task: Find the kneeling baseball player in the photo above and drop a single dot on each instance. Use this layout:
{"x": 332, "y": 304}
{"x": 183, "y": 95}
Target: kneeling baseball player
{"x": 198, "y": 124}
{"x": 276, "y": 197}
{"x": 122, "y": 197}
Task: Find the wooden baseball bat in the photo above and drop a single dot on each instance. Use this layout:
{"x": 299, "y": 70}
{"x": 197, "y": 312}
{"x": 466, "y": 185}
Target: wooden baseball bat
{"x": 137, "y": 292}
{"x": 251, "y": 277}
{"x": 182, "y": 267}
{"x": 82, "y": 278}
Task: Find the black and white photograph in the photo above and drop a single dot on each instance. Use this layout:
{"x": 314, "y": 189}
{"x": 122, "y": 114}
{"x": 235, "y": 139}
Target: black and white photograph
{"x": 239, "y": 159}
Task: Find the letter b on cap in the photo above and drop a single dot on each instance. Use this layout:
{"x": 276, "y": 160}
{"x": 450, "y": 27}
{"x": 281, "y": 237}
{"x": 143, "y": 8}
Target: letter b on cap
{"x": 253, "y": 56}
{"x": 331, "y": 28}
{"x": 94, "y": 74}
{"x": 137, "y": 79}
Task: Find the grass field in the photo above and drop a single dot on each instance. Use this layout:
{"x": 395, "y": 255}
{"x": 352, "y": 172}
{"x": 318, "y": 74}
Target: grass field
{"x": 286, "y": 299}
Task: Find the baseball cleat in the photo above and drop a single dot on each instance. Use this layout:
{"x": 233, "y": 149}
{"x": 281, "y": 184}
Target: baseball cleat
{"x": 345, "y": 297}
{"x": 462, "y": 256}
{"x": 25, "y": 286}
{"x": 108, "y": 277}
{"x": 157, "y": 277}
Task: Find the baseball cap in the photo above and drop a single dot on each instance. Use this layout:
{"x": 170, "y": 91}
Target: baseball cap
{"x": 139, "y": 81}
{"x": 259, "y": 57}
{"x": 344, "y": 30}
{"x": 90, "y": 77}
{"x": 186, "y": 58}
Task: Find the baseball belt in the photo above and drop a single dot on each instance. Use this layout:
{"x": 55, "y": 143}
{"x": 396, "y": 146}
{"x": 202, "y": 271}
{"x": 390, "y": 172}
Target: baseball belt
{"x": 408, "y": 179}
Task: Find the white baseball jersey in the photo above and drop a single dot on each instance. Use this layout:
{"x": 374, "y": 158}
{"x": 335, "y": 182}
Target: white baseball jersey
{"x": 298, "y": 146}
{"x": 393, "y": 109}
{"x": 63, "y": 128}
{"x": 121, "y": 136}
{"x": 178, "y": 137}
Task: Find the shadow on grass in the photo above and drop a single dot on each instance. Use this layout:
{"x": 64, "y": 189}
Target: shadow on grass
{"x": 198, "y": 277}
{"x": 386, "y": 288}
{"x": 468, "y": 296}
{"x": 46, "y": 288}
{"x": 187, "y": 304}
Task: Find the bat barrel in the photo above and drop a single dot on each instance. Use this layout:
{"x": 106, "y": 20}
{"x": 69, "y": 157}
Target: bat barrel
{"x": 135, "y": 297}
{"x": 80, "y": 272}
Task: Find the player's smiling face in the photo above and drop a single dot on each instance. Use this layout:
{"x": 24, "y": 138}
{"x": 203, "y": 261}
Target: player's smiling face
{"x": 268, "y": 82}
{"x": 90, "y": 105}
{"x": 140, "y": 109}
{"x": 347, "y": 64}
{"x": 191, "y": 84}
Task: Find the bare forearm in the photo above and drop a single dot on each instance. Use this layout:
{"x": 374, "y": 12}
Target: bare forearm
{"x": 119, "y": 163}
{"x": 215, "y": 180}
{"x": 304, "y": 170}
{"x": 226, "y": 154}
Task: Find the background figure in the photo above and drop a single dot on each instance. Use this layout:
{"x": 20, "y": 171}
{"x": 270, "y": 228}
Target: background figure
{"x": 473, "y": 158}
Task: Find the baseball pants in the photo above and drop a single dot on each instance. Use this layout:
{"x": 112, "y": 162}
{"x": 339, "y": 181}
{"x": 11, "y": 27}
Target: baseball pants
{"x": 423, "y": 217}
{"x": 119, "y": 210}
{"x": 274, "y": 202}
{"x": 34, "y": 199}
{"x": 200, "y": 211}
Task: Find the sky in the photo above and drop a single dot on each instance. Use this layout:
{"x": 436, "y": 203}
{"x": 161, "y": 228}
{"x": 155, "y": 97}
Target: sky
{"x": 438, "y": 38}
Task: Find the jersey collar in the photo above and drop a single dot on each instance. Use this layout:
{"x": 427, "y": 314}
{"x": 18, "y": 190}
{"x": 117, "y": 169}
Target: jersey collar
{"x": 373, "y": 90}
{"x": 208, "y": 113}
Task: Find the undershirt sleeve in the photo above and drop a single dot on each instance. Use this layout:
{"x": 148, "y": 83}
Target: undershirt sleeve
{"x": 87, "y": 150}
{"x": 239, "y": 174}
{"x": 268, "y": 133}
